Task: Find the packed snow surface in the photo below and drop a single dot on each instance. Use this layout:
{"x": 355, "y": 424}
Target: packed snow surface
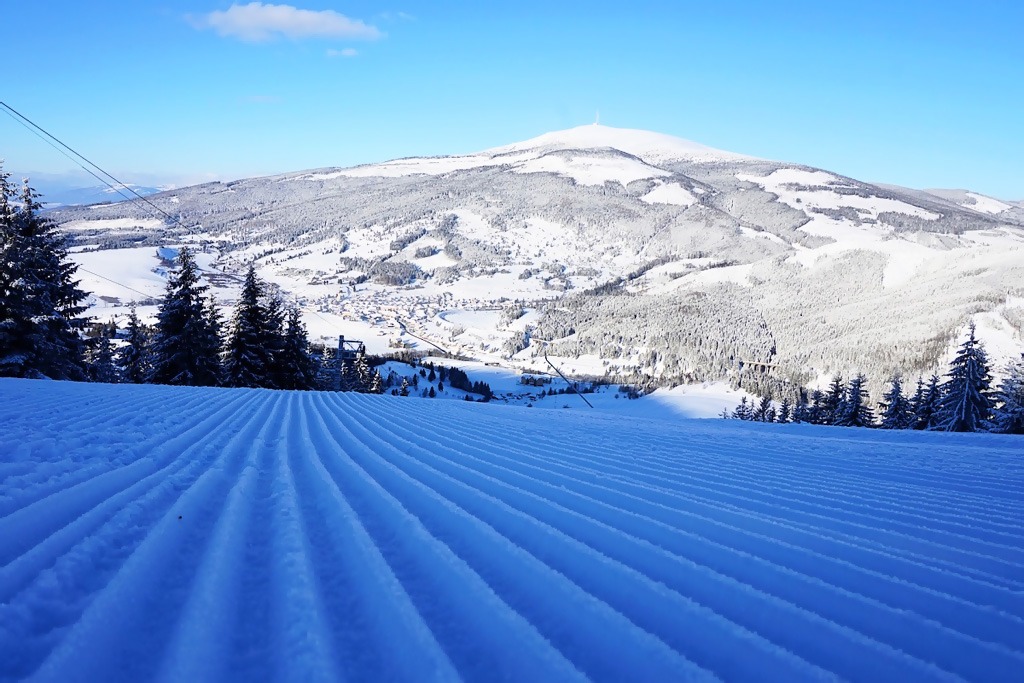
{"x": 174, "y": 534}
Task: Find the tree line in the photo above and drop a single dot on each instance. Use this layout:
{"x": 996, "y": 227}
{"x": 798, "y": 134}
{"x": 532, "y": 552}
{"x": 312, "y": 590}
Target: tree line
{"x": 44, "y": 334}
{"x": 265, "y": 343}
{"x": 965, "y": 401}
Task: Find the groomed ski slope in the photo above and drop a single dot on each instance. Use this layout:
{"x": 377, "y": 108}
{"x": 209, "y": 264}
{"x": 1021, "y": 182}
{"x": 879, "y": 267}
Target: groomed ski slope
{"x": 170, "y": 534}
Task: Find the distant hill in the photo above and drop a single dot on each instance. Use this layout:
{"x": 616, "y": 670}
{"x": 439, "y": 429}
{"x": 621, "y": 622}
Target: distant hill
{"x": 630, "y": 253}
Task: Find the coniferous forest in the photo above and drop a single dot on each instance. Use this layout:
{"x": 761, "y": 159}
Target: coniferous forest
{"x": 264, "y": 344}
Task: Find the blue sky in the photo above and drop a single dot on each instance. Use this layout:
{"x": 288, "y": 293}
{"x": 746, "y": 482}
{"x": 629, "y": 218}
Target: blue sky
{"x": 923, "y": 94}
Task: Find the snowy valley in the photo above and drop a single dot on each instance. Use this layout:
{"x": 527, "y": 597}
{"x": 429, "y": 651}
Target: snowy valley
{"x": 623, "y": 254}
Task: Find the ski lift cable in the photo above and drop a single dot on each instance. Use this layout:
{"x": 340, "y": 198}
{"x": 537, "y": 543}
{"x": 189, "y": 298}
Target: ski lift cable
{"x": 119, "y": 284}
{"x": 113, "y": 183}
{"x": 571, "y": 384}
{"x": 78, "y": 158}
{"x": 39, "y": 135}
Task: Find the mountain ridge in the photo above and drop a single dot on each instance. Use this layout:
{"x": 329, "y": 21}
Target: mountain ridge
{"x": 629, "y": 241}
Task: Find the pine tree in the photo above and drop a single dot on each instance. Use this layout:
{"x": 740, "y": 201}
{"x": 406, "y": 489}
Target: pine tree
{"x": 833, "y": 402}
{"x": 917, "y": 401}
{"x": 802, "y": 409}
{"x": 784, "y": 411}
{"x": 966, "y": 404}
{"x": 40, "y": 301}
{"x": 743, "y": 411}
{"x": 854, "y": 411}
{"x": 296, "y": 366}
{"x": 132, "y": 357}
{"x": 816, "y": 413}
{"x": 927, "y": 409}
{"x": 1009, "y": 416}
{"x": 212, "y": 341}
{"x": 377, "y": 384}
{"x": 185, "y": 348}
{"x": 762, "y": 411}
{"x": 363, "y": 373}
{"x": 248, "y": 361}
{"x": 101, "y": 366}
{"x": 404, "y": 391}
{"x": 273, "y": 340}
{"x": 897, "y": 412}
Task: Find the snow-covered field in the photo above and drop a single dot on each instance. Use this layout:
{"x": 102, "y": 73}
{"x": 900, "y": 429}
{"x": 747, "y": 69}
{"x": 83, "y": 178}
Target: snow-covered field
{"x": 156, "y": 533}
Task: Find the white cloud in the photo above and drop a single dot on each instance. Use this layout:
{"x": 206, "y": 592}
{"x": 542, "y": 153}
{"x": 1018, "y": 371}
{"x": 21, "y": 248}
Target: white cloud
{"x": 395, "y": 16}
{"x": 259, "y": 22}
{"x": 346, "y": 52}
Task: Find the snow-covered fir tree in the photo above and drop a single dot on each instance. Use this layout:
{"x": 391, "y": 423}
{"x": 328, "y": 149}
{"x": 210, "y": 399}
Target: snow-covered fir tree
{"x": 101, "y": 362}
{"x": 743, "y": 411}
{"x": 816, "y": 413}
{"x": 249, "y": 357}
{"x": 785, "y": 411}
{"x": 132, "y": 357}
{"x": 764, "y": 410}
{"x": 802, "y": 408}
{"x": 1009, "y": 415}
{"x": 273, "y": 338}
{"x": 897, "y": 411}
{"x": 376, "y": 383}
{"x": 831, "y": 409}
{"x": 966, "y": 404}
{"x": 363, "y": 373}
{"x": 854, "y": 410}
{"x": 296, "y": 366}
{"x": 185, "y": 344}
{"x": 926, "y": 410}
{"x": 40, "y": 302}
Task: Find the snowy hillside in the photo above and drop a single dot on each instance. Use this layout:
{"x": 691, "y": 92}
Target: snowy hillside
{"x": 175, "y": 534}
{"x": 632, "y": 254}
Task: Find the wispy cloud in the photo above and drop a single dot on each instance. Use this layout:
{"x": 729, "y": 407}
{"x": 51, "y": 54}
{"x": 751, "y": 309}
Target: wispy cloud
{"x": 396, "y": 16}
{"x": 346, "y": 52}
{"x": 259, "y": 22}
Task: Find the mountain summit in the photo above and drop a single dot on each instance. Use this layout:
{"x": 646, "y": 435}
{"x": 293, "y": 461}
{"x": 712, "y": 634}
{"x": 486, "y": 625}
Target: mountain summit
{"x": 651, "y": 147}
{"x": 632, "y": 254}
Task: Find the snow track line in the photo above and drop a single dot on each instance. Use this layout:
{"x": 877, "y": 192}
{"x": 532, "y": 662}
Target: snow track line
{"x": 734, "y": 519}
{"x": 168, "y": 533}
{"x": 471, "y": 622}
{"x": 824, "y": 524}
{"x": 767, "y": 621}
{"x": 301, "y": 630}
{"x": 845, "y": 607}
{"x": 717, "y": 512}
{"x": 24, "y": 480}
{"x": 22, "y": 528}
{"x": 92, "y": 650}
{"x": 369, "y": 606}
{"x": 670, "y": 615}
{"x": 195, "y": 651}
{"x": 860, "y": 505}
{"x": 755, "y": 489}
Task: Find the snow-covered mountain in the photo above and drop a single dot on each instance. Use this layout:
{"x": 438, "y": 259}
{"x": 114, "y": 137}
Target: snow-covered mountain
{"x": 73, "y": 189}
{"x": 628, "y": 252}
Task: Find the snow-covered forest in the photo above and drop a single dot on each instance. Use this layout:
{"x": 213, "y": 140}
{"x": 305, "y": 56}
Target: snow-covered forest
{"x": 667, "y": 260}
